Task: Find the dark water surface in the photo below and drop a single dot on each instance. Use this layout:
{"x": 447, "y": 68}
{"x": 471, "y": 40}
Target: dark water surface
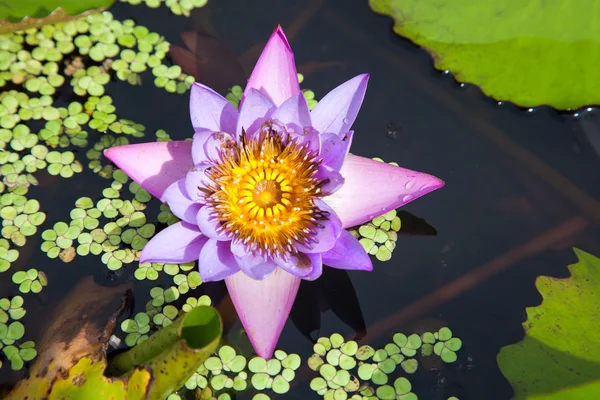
{"x": 522, "y": 188}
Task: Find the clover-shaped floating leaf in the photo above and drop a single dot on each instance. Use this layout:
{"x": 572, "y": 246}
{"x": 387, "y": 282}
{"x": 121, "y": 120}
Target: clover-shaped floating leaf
{"x": 447, "y": 346}
{"x": 343, "y": 356}
{"x": 400, "y": 391}
{"x": 166, "y": 317}
{"x": 63, "y": 164}
{"x": 148, "y": 271}
{"x": 14, "y": 308}
{"x": 230, "y": 360}
{"x": 19, "y": 355}
{"x": 191, "y": 303}
{"x": 30, "y": 280}
{"x": 136, "y": 329}
{"x": 408, "y": 345}
{"x": 378, "y": 373}
{"x": 11, "y": 333}
{"x": 7, "y": 255}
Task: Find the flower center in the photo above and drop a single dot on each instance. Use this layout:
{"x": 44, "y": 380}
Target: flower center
{"x": 262, "y": 192}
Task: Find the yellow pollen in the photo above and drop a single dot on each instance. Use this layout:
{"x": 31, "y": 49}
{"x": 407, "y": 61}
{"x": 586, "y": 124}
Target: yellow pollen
{"x": 263, "y": 192}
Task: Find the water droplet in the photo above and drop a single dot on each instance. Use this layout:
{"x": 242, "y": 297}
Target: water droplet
{"x": 408, "y": 198}
{"x": 576, "y": 115}
{"x": 345, "y": 120}
{"x": 530, "y": 110}
{"x": 589, "y": 109}
{"x": 446, "y": 72}
{"x": 500, "y": 103}
{"x": 462, "y": 85}
{"x": 410, "y": 183}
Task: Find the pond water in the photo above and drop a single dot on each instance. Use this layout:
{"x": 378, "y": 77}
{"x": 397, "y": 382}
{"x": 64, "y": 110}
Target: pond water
{"x": 521, "y": 190}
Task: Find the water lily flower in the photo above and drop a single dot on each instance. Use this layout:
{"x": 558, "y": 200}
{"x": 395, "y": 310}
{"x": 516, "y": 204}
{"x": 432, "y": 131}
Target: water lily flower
{"x": 264, "y": 194}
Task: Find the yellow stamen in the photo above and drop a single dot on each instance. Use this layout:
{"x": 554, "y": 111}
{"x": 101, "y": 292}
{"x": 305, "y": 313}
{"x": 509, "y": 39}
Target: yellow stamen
{"x": 263, "y": 192}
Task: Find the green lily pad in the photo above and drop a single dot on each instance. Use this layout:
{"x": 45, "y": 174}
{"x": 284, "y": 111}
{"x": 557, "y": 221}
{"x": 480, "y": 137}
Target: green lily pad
{"x": 529, "y": 52}
{"x": 26, "y": 14}
{"x": 561, "y": 347}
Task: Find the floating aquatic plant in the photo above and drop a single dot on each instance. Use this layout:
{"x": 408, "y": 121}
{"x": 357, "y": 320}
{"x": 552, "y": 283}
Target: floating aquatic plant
{"x": 221, "y": 223}
{"x": 346, "y": 369}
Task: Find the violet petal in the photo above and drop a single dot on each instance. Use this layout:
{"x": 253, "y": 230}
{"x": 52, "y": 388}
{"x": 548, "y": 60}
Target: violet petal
{"x": 216, "y": 261}
{"x": 178, "y": 243}
{"x": 294, "y": 111}
{"x": 208, "y": 225}
{"x": 334, "y": 148}
{"x": 326, "y": 236}
{"x": 255, "y": 110}
{"x": 209, "y": 110}
{"x": 325, "y": 172}
{"x": 348, "y": 253}
{"x": 181, "y": 205}
{"x": 337, "y": 111}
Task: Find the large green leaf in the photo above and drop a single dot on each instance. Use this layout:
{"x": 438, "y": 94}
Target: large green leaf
{"x": 559, "y": 357}
{"x": 23, "y": 14}
{"x": 530, "y": 52}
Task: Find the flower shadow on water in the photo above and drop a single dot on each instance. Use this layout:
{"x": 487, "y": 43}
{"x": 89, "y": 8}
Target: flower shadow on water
{"x": 334, "y": 292}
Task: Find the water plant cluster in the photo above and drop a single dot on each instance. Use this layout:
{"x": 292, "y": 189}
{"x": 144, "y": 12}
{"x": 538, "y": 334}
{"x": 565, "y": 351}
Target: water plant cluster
{"x": 349, "y": 371}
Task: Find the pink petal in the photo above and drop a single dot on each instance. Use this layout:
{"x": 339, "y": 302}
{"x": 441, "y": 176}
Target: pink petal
{"x": 178, "y": 243}
{"x": 208, "y": 225}
{"x": 294, "y": 111}
{"x": 373, "y": 188}
{"x": 263, "y": 306}
{"x": 209, "y": 110}
{"x": 176, "y": 197}
{"x": 155, "y": 165}
{"x": 255, "y": 110}
{"x": 216, "y": 261}
{"x": 348, "y": 253}
{"x": 275, "y": 71}
{"x": 337, "y": 111}
{"x": 334, "y": 148}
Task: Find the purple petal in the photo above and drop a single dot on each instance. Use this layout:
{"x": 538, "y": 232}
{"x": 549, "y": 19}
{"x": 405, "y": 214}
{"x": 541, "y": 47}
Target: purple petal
{"x": 335, "y": 179}
{"x": 178, "y": 243}
{"x": 337, "y": 111}
{"x": 275, "y": 71}
{"x": 334, "y": 148}
{"x": 210, "y": 226}
{"x": 208, "y": 146}
{"x": 195, "y": 179}
{"x": 181, "y": 205}
{"x": 216, "y": 261}
{"x": 198, "y": 142}
{"x": 209, "y": 110}
{"x": 327, "y": 235}
{"x": 294, "y": 111}
{"x": 348, "y": 253}
{"x": 154, "y": 166}
{"x": 254, "y": 111}
{"x": 373, "y": 188}
{"x": 263, "y": 306}
{"x": 253, "y": 265}
{"x": 307, "y": 135}
{"x": 308, "y": 266}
